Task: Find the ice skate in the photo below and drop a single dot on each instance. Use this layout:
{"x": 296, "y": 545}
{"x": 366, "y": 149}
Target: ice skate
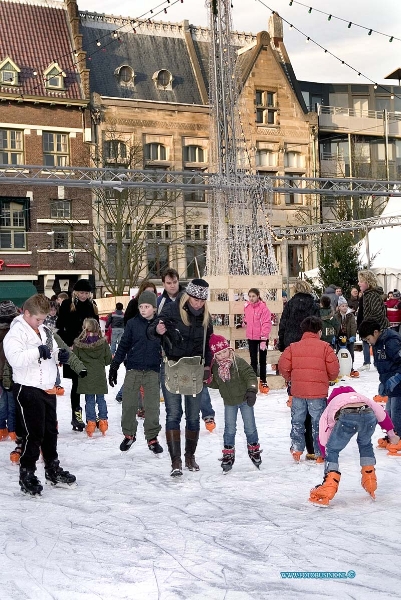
{"x": 365, "y": 367}
{"x": 90, "y": 428}
{"x": 210, "y": 424}
{"x": 254, "y": 453}
{"x": 394, "y": 449}
{"x": 296, "y": 455}
{"x": 57, "y": 477}
{"x": 3, "y": 434}
{"x": 12, "y": 435}
{"x": 382, "y": 399}
{"x": 369, "y": 481}
{"x": 103, "y": 426}
{"x": 29, "y": 483}
{"x": 228, "y": 458}
{"x": 76, "y": 421}
{"x": 322, "y": 494}
{"x": 263, "y": 388}
{"x": 127, "y": 443}
{"x": 310, "y": 457}
{"x": 154, "y": 446}
{"x": 383, "y": 442}
{"x": 354, "y": 374}
{"x": 16, "y": 453}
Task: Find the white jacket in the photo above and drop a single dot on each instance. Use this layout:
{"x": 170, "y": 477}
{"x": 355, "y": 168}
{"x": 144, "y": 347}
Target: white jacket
{"x": 21, "y": 349}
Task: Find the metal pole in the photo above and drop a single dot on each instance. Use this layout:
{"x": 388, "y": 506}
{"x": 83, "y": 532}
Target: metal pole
{"x": 287, "y": 267}
{"x": 367, "y": 246}
{"x": 385, "y": 127}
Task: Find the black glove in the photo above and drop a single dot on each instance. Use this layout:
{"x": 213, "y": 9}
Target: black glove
{"x": 113, "y": 374}
{"x": 63, "y": 356}
{"x": 44, "y": 352}
{"x": 83, "y": 373}
{"x": 250, "y": 397}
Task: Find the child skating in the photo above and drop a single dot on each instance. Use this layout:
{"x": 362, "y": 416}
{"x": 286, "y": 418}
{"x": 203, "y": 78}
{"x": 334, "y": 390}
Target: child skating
{"x": 349, "y": 413}
{"x": 237, "y": 383}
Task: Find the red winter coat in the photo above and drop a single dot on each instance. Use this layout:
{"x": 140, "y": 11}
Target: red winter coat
{"x": 258, "y": 320}
{"x": 309, "y": 364}
{"x": 393, "y": 312}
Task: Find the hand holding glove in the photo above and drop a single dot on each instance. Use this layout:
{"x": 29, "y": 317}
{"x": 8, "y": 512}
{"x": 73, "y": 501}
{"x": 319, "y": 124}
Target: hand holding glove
{"x": 352, "y": 339}
{"x": 44, "y": 352}
{"x": 392, "y": 383}
{"x": 250, "y": 397}
{"x": 263, "y": 346}
{"x": 83, "y": 373}
{"x": 63, "y": 356}
{"x": 113, "y": 374}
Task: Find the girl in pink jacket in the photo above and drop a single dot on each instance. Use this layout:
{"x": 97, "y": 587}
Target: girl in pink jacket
{"x": 258, "y": 323}
{"x": 349, "y": 413}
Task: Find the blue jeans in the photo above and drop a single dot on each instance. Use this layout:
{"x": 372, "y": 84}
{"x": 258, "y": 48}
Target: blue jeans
{"x": 206, "y": 404}
{"x": 90, "y": 402}
{"x": 300, "y": 407}
{"x": 363, "y": 423}
{"x": 366, "y": 353}
{"x": 7, "y": 410}
{"x": 230, "y": 424}
{"x": 174, "y": 412}
{"x": 116, "y": 335}
{"x": 393, "y": 407}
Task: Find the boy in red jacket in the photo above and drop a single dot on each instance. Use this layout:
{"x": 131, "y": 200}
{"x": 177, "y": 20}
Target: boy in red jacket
{"x": 309, "y": 365}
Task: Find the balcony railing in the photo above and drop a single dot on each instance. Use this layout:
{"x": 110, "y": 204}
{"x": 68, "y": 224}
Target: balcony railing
{"x": 355, "y": 112}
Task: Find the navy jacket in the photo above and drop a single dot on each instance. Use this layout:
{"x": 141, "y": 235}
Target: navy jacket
{"x": 143, "y": 354}
{"x": 387, "y": 357}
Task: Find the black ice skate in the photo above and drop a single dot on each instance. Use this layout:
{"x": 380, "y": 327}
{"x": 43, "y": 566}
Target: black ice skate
{"x": 56, "y": 476}
{"x": 254, "y": 453}
{"x": 29, "y": 483}
{"x": 76, "y": 421}
{"x": 127, "y": 443}
{"x": 228, "y": 458}
{"x": 154, "y": 446}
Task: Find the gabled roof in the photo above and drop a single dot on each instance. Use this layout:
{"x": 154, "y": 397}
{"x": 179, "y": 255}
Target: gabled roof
{"x": 34, "y": 36}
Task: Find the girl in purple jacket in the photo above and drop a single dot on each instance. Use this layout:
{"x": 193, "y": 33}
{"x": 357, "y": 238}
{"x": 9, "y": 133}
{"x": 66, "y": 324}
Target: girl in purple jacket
{"x": 258, "y": 323}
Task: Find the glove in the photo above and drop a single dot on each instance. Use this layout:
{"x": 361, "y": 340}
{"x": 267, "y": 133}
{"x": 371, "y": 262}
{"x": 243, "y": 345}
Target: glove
{"x": 289, "y": 388}
{"x": 250, "y": 397}
{"x": 380, "y": 391}
{"x": 113, "y": 374}
{"x": 262, "y": 346}
{"x": 352, "y": 339}
{"x": 392, "y": 383}
{"x": 83, "y": 373}
{"x": 44, "y": 352}
{"x": 63, "y": 356}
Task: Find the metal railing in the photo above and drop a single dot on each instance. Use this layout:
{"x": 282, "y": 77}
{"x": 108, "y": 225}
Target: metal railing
{"x": 355, "y": 112}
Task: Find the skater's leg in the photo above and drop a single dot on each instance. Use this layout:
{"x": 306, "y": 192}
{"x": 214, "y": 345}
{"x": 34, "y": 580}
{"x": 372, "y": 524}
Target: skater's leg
{"x": 174, "y": 412}
{"x": 262, "y": 364}
{"x": 49, "y": 443}
{"x": 230, "y": 424}
{"x": 298, "y": 414}
{"x": 253, "y": 346}
{"x": 345, "y": 428}
{"x": 132, "y": 383}
{"x": 396, "y": 413}
{"x": 150, "y": 383}
{"x": 90, "y": 411}
{"x": 31, "y": 413}
{"x": 248, "y": 417}
{"x": 101, "y": 406}
{"x": 207, "y": 409}
{"x": 367, "y": 426}
{"x": 192, "y": 411}
{"x": 316, "y": 408}
{"x": 310, "y": 449}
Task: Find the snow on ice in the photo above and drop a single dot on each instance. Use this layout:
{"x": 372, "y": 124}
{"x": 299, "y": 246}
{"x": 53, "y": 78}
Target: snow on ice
{"x": 131, "y": 532}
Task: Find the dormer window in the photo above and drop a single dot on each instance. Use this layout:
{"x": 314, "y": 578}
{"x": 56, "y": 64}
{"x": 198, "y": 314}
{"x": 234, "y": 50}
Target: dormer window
{"x": 163, "y": 80}
{"x": 125, "y": 74}
{"x": 54, "y": 77}
{"x": 9, "y": 72}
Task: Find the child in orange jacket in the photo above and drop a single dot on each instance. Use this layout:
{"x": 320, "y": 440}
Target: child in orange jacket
{"x": 309, "y": 365}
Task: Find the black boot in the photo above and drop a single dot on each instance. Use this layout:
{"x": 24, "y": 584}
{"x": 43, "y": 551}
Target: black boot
{"x": 76, "y": 421}
{"x": 55, "y": 475}
{"x": 254, "y": 453}
{"x": 154, "y": 446}
{"x": 29, "y": 483}
{"x": 228, "y": 458}
{"x": 191, "y": 441}
{"x": 173, "y": 437}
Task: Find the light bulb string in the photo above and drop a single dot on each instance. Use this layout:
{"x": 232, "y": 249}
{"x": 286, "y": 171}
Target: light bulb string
{"x": 368, "y": 29}
{"x": 343, "y": 62}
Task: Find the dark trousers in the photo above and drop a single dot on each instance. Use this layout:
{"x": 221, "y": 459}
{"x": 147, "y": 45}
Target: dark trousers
{"x": 308, "y": 435}
{"x": 254, "y": 351}
{"x": 37, "y": 420}
{"x": 75, "y": 397}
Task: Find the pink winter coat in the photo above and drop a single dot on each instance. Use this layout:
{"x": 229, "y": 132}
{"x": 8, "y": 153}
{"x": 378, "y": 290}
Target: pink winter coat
{"x": 327, "y": 421}
{"x": 258, "y": 320}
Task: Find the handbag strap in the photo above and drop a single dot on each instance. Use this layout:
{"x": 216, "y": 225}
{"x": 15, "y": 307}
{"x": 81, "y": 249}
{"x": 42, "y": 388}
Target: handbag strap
{"x": 204, "y": 342}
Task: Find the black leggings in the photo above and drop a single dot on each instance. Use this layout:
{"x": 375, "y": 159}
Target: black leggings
{"x": 75, "y": 397}
{"x": 254, "y": 350}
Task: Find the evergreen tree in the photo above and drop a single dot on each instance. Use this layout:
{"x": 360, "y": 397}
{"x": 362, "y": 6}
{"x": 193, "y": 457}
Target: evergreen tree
{"x": 339, "y": 261}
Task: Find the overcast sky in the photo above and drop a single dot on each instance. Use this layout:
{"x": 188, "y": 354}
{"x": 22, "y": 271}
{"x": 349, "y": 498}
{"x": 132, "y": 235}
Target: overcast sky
{"x": 372, "y": 55}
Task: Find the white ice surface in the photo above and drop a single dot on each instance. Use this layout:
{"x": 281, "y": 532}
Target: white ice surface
{"x": 130, "y": 531}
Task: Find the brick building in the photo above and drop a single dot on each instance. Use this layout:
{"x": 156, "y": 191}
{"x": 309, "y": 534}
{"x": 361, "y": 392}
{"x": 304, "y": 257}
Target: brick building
{"x": 44, "y": 120}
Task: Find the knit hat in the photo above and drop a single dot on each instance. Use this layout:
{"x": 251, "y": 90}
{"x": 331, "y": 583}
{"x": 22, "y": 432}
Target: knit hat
{"x": 217, "y": 343}
{"x": 342, "y": 389}
{"x": 82, "y": 285}
{"x": 198, "y": 288}
{"x": 148, "y": 298}
{"x": 342, "y": 301}
{"x": 396, "y": 294}
{"x": 8, "y": 310}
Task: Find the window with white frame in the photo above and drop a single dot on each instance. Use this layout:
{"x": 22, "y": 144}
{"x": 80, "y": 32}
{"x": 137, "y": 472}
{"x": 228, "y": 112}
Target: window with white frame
{"x": 158, "y": 231}
{"x": 197, "y": 232}
{"x": 11, "y": 147}
{"x": 111, "y": 231}
{"x": 126, "y": 74}
{"x": 266, "y": 107}
{"x": 293, "y": 197}
{"x": 62, "y": 238}
{"x": 9, "y": 72}
{"x": 163, "y": 79}
{"x": 294, "y": 160}
{"x": 115, "y": 150}
{"x": 266, "y": 158}
{"x": 155, "y": 152}
{"x": 194, "y": 154}
{"x": 60, "y": 209}
{"x": 12, "y": 225}
{"x": 54, "y": 77}
{"x": 55, "y": 149}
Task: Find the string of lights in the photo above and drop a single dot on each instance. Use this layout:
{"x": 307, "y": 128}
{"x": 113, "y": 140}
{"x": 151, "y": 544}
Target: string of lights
{"x": 350, "y": 24}
{"x": 326, "y": 51}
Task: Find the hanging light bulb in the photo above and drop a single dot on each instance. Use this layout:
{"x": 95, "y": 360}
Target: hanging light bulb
{"x": 98, "y": 43}
{"x": 370, "y": 31}
{"x": 359, "y": 74}
{"x": 329, "y": 18}
{"x": 291, "y": 26}
{"x": 165, "y": 11}
{"x": 307, "y": 40}
{"x": 392, "y": 96}
{"x": 391, "y": 39}
{"x": 291, "y": 1}
{"x": 349, "y": 25}
{"x": 310, "y": 10}
{"x": 115, "y": 34}
{"x": 375, "y": 86}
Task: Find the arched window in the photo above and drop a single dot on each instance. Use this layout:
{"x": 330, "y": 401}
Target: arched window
{"x": 194, "y": 154}
{"x": 163, "y": 79}
{"x": 155, "y": 152}
{"x": 115, "y": 149}
{"x": 125, "y": 74}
